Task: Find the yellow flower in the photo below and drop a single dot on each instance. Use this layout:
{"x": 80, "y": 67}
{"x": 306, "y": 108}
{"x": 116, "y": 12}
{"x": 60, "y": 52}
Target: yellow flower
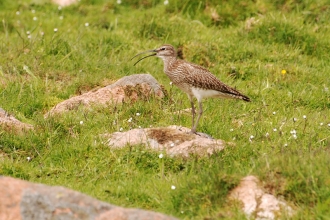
{"x": 283, "y": 72}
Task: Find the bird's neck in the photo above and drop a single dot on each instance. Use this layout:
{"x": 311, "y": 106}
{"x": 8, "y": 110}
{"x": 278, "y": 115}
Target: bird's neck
{"x": 168, "y": 63}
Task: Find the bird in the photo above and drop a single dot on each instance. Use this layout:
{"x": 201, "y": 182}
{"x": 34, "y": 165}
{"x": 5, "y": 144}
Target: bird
{"x": 196, "y": 81}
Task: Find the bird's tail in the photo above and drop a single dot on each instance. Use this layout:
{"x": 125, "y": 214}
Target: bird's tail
{"x": 245, "y": 98}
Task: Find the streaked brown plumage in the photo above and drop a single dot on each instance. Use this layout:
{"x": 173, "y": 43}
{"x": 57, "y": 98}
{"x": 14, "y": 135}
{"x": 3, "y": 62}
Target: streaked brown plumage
{"x": 194, "y": 80}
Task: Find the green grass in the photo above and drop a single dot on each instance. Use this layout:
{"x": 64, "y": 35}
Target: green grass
{"x": 38, "y": 72}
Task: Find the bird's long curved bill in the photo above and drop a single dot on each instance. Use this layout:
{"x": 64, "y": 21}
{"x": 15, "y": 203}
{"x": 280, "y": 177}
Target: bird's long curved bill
{"x": 148, "y": 51}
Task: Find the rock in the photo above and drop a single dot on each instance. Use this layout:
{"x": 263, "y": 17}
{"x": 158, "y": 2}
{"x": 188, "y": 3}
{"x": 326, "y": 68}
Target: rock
{"x": 174, "y": 140}
{"x": 24, "y": 200}
{"x": 10, "y": 123}
{"x": 64, "y": 2}
{"x": 258, "y": 203}
{"x": 128, "y": 88}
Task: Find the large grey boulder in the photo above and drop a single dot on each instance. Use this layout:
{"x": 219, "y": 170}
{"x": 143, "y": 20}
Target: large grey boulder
{"x": 29, "y": 201}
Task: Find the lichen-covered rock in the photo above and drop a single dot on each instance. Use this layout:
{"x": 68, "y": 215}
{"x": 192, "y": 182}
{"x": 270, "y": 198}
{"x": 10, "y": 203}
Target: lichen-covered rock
{"x": 256, "y": 202}
{"x": 29, "y": 201}
{"x": 10, "y": 123}
{"x": 64, "y": 2}
{"x": 128, "y": 88}
{"x": 174, "y": 140}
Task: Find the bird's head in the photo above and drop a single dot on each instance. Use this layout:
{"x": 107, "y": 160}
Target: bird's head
{"x": 163, "y": 52}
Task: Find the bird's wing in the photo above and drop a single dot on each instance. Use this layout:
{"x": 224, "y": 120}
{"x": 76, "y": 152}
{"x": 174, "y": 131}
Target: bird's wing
{"x": 202, "y": 78}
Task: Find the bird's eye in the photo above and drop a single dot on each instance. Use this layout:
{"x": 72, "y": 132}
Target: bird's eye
{"x": 163, "y": 48}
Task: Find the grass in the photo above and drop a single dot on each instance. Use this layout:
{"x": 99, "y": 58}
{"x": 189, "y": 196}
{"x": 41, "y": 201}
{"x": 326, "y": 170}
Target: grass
{"x": 281, "y": 62}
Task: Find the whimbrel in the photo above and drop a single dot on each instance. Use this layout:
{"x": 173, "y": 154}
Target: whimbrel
{"x": 193, "y": 79}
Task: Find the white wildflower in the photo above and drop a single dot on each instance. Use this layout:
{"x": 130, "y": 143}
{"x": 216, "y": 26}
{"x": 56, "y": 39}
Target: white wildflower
{"x": 18, "y": 13}
{"x": 166, "y": 2}
{"x": 293, "y": 132}
{"x": 173, "y": 187}
{"x": 274, "y": 113}
{"x": 138, "y": 114}
{"x": 55, "y": 29}
{"x": 35, "y": 18}
{"x": 118, "y": 2}
{"x": 160, "y": 156}
{"x": 81, "y": 122}
{"x": 28, "y": 159}
{"x": 304, "y": 116}
{"x": 121, "y": 129}
{"x": 86, "y": 24}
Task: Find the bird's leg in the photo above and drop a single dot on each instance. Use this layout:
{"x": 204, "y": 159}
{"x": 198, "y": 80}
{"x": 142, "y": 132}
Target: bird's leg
{"x": 193, "y": 112}
{"x": 200, "y": 112}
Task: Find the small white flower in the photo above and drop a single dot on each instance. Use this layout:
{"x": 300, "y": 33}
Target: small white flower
{"x": 33, "y": 11}
{"x": 304, "y": 116}
{"x": 295, "y": 119}
{"x": 29, "y": 36}
{"x": 55, "y": 29}
{"x": 61, "y": 17}
{"x": 28, "y": 159}
{"x": 130, "y": 120}
{"x": 81, "y": 122}
{"x": 274, "y": 129}
{"x": 17, "y": 13}
{"x": 35, "y": 18}
{"x": 138, "y": 114}
{"x": 166, "y": 2}
{"x": 118, "y": 2}
{"x": 160, "y": 156}
{"x": 294, "y": 136}
{"x": 231, "y": 130}
{"x": 285, "y": 145}
{"x": 42, "y": 33}
{"x": 173, "y": 187}
{"x": 121, "y": 129}
{"x": 172, "y": 144}
{"x": 267, "y": 134}
{"x": 28, "y": 32}
{"x": 171, "y": 83}
{"x": 251, "y": 137}
{"x": 293, "y": 132}
{"x": 86, "y": 24}
{"x": 274, "y": 113}
{"x": 329, "y": 125}
{"x": 321, "y": 123}
{"x": 182, "y": 212}
{"x": 139, "y": 126}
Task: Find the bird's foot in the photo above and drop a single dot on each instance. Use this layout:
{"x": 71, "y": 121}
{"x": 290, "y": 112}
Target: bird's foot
{"x": 201, "y": 134}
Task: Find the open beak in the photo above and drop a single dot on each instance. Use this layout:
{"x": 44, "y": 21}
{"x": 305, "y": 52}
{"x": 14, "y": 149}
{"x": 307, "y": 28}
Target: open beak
{"x": 148, "y": 51}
